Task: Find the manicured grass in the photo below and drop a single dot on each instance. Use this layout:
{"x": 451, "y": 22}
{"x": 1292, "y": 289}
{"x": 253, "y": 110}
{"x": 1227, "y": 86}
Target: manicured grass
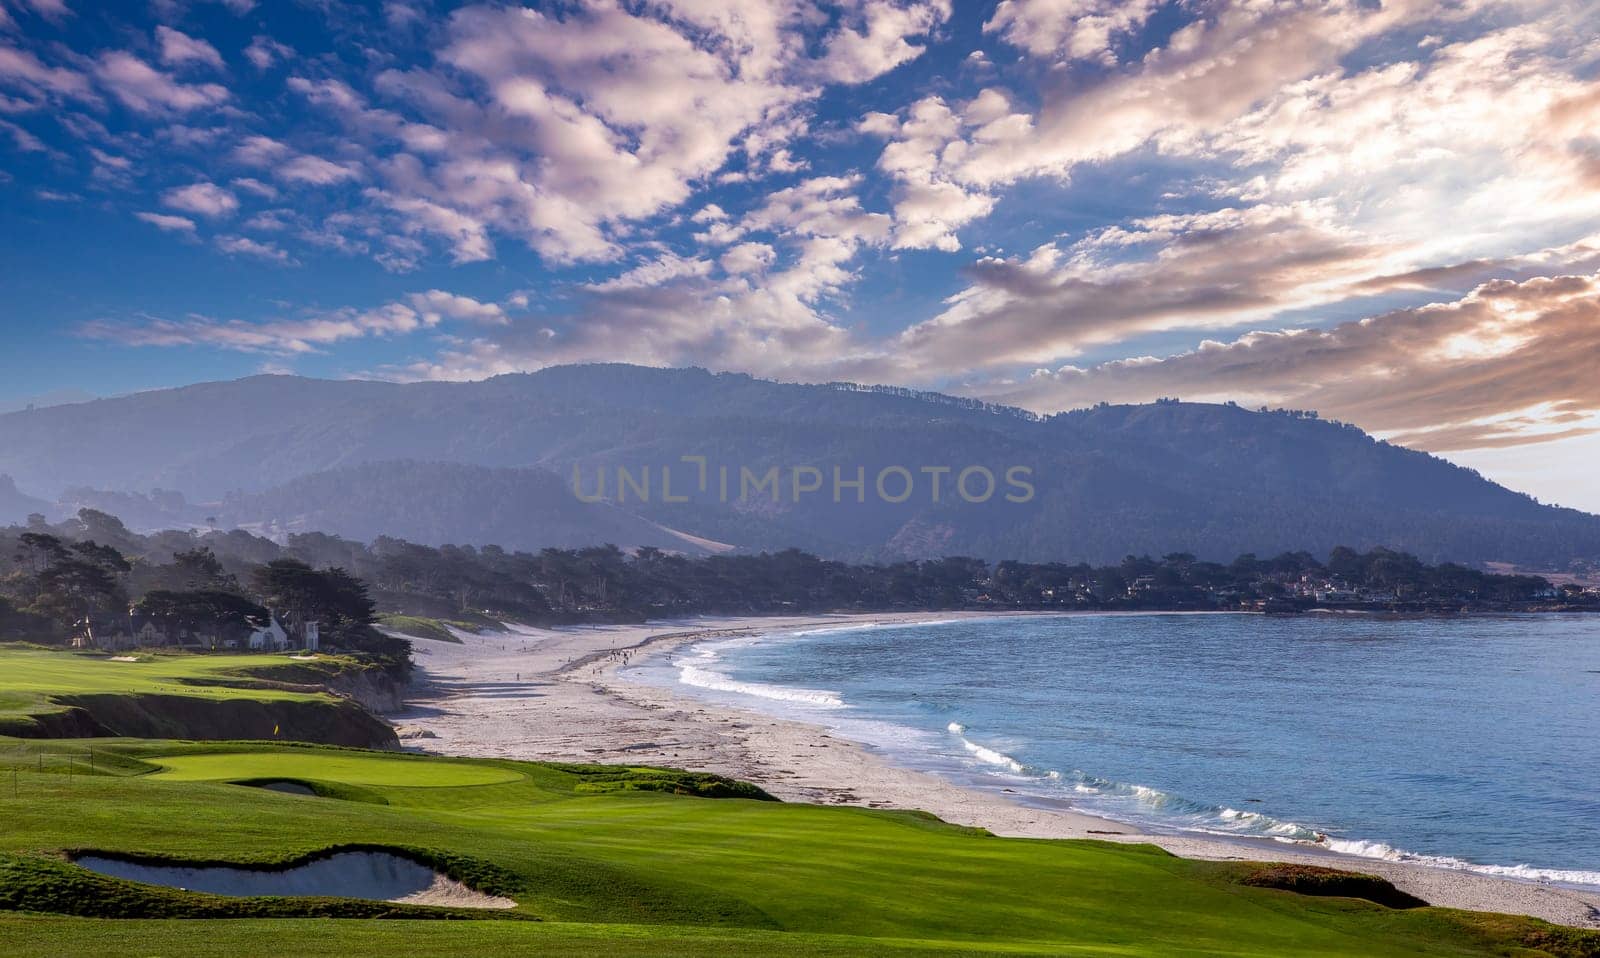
{"x": 44, "y": 937}
{"x": 55, "y": 694}
{"x": 32, "y": 677}
{"x": 624, "y": 871}
{"x": 347, "y": 768}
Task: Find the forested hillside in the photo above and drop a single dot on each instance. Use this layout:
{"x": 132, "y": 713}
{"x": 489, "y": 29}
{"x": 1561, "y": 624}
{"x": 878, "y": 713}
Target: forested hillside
{"x": 493, "y": 462}
{"x": 53, "y": 577}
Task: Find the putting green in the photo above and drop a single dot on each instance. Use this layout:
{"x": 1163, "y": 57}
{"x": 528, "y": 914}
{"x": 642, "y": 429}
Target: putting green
{"x": 350, "y": 769}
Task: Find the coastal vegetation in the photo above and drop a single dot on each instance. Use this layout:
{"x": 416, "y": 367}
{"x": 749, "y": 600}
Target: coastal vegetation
{"x": 628, "y": 870}
{"x": 197, "y": 588}
{"x": 91, "y": 583}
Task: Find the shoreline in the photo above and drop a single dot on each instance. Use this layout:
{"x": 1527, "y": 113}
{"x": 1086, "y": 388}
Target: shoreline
{"x": 556, "y": 694}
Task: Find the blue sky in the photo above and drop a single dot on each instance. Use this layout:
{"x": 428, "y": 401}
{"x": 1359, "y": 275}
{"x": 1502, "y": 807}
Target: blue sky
{"x": 1388, "y": 212}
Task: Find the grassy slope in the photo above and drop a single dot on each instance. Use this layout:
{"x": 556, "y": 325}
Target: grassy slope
{"x": 629, "y": 872}
{"x": 177, "y": 693}
{"x": 34, "y": 676}
{"x": 421, "y": 627}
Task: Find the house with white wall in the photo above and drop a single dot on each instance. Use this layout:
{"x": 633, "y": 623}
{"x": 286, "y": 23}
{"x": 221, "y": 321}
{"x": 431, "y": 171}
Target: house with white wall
{"x": 269, "y": 638}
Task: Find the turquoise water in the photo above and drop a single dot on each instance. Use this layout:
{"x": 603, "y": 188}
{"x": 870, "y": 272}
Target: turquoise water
{"x": 1463, "y": 741}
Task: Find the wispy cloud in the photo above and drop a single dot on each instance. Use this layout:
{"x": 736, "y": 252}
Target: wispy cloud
{"x": 171, "y": 224}
{"x": 1511, "y": 362}
{"x": 245, "y": 246}
{"x": 298, "y": 334}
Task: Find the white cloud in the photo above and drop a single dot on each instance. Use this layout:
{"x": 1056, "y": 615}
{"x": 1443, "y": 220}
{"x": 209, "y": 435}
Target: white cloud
{"x": 53, "y": 10}
{"x": 657, "y": 272}
{"x": 204, "y": 198}
{"x": 170, "y": 224}
{"x": 1507, "y": 364}
{"x": 1069, "y": 29}
{"x": 26, "y": 142}
{"x": 144, "y": 89}
{"x": 245, "y": 246}
{"x": 314, "y": 170}
{"x": 929, "y": 206}
{"x": 436, "y": 305}
{"x": 252, "y": 185}
{"x": 259, "y": 151}
{"x": 264, "y": 51}
{"x": 307, "y": 333}
{"x": 20, "y": 68}
{"x": 748, "y": 258}
{"x": 710, "y": 213}
{"x": 468, "y": 237}
{"x": 399, "y": 14}
{"x": 672, "y": 309}
{"x": 872, "y": 37}
{"x": 1211, "y": 72}
{"x": 577, "y": 123}
{"x": 179, "y": 48}
{"x": 1196, "y": 271}
{"x": 111, "y": 161}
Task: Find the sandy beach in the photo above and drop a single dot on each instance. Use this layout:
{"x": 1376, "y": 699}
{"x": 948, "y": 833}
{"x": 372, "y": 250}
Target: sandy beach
{"x": 555, "y": 694}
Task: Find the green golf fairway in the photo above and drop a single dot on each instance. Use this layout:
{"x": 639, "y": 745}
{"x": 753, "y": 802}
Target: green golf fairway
{"x": 46, "y": 694}
{"x": 610, "y": 861}
{"x": 348, "y": 769}
{"x": 32, "y": 676}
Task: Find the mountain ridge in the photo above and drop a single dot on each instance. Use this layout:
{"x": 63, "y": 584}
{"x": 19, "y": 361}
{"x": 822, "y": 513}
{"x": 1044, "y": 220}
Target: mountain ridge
{"x": 1216, "y": 480}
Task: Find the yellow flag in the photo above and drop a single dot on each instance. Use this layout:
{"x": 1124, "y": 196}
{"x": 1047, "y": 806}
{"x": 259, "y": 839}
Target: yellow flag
{"x": 275, "y": 731}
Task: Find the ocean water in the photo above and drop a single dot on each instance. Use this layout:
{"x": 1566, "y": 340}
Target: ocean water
{"x": 1467, "y": 742}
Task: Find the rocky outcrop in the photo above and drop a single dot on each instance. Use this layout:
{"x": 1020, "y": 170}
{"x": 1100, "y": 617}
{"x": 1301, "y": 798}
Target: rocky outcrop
{"x": 67, "y": 723}
{"x": 371, "y": 688}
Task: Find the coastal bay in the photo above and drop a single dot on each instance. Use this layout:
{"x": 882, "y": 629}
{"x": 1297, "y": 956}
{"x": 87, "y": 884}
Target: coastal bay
{"x": 565, "y": 694}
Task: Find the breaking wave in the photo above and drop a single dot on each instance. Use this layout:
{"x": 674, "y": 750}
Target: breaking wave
{"x": 1142, "y": 805}
{"x": 696, "y": 669}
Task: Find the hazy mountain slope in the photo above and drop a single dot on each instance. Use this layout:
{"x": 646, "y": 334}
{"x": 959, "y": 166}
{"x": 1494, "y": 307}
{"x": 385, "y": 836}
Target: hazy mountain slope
{"x": 1214, "y": 480}
{"x": 15, "y": 506}
{"x": 443, "y": 503}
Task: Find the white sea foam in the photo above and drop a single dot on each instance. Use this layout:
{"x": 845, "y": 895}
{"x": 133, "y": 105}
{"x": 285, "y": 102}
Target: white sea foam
{"x": 695, "y": 669}
{"x": 1174, "y": 812}
{"x": 1143, "y": 805}
{"x": 990, "y": 757}
{"x": 1388, "y": 853}
{"x": 983, "y": 753}
{"x": 867, "y": 627}
{"x": 716, "y": 681}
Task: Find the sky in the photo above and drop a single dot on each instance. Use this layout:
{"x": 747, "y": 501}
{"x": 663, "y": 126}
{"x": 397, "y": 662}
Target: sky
{"x": 1387, "y": 212}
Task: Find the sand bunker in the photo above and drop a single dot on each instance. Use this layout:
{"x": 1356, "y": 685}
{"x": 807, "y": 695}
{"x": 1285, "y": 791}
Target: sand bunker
{"x": 288, "y": 788}
{"x": 376, "y": 876}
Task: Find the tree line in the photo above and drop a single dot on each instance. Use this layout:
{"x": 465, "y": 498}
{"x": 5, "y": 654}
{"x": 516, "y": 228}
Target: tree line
{"x": 56, "y": 580}
{"x": 53, "y": 577}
